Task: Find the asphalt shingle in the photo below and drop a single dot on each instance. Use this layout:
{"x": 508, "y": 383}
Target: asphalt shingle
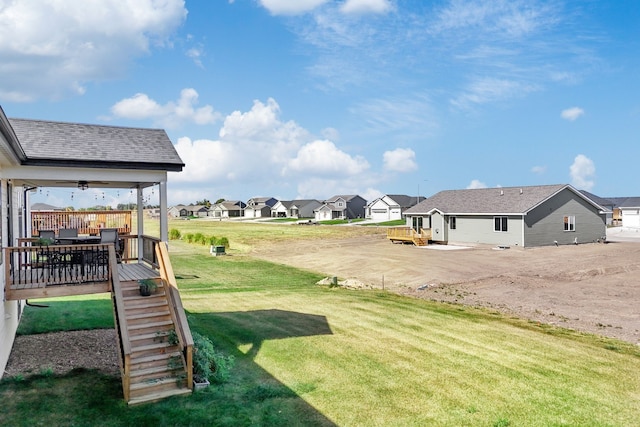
{"x": 61, "y": 141}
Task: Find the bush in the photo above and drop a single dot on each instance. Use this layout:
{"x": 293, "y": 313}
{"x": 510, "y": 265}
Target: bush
{"x": 188, "y": 237}
{"x": 174, "y": 234}
{"x": 213, "y": 241}
{"x": 199, "y": 238}
{"x": 223, "y": 241}
{"x": 208, "y": 363}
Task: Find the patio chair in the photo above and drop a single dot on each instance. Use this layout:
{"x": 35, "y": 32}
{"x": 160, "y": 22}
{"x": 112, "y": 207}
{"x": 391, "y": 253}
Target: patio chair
{"x": 47, "y": 234}
{"x": 110, "y": 235}
{"x": 66, "y": 236}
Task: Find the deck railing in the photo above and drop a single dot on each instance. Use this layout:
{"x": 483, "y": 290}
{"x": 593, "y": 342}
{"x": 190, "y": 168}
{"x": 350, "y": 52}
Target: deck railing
{"x": 87, "y": 222}
{"x": 124, "y": 344}
{"x": 30, "y": 269}
{"x": 177, "y": 311}
{"x": 408, "y": 234}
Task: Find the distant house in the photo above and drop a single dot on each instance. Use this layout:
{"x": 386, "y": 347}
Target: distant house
{"x": 177, "y": 211}
{"x": 36, "y": 207}
{"x": 610, "y": 204}
{"x": 391, "y": 206}
{"x": 197, "y": 210}
{"x": 228, "y": 209}
{"x": 259, "y": 207}
{"x": 514, "y": 216}
{"x": 152, "y": 213}
{"x": 341, "y": 207}
{"x": 630, "y": 212}
{"x": 295, "y": 208}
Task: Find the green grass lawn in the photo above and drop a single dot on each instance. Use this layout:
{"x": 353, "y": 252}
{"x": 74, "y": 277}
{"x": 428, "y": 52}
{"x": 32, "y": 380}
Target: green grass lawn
{"x": 312, "y": 355}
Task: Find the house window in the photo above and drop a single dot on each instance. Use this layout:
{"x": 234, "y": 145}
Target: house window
{"x": 452, "y": 223}
{"x": 500, "y": 223}
{"x": 570, "y": 223}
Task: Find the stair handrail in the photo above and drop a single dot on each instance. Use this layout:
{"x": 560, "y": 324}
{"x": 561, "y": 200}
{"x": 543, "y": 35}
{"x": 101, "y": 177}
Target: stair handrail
{"x": 120, "y": 323}
{"x": 176, "y": 309}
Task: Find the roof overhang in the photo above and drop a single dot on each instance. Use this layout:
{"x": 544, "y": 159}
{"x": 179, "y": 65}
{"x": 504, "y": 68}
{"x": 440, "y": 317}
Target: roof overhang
{"x": 32, "y": 176}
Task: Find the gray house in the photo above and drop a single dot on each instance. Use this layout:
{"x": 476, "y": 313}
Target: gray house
{"x": 228, "y": 209}
{"x": 511, "y": 216}
{"x": 341, "y": 207}
{"x": 302, "y": 208}
{"x": 391, "y": 206}
{"x": 259, "y": 207}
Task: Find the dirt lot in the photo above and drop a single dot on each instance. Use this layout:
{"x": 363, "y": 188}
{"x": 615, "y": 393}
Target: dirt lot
{"x": 591, "y": 287}
{"x": 588, "y": 287}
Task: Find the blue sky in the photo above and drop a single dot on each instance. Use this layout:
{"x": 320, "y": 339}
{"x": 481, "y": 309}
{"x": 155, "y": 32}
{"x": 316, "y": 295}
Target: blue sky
{"x": 312, "y": 98}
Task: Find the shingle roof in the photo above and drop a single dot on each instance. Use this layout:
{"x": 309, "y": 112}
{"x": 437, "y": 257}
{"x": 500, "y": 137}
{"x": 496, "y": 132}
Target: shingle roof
{"x": 405, "y": 201}
{"x": 504, "y": 200}
{"x": 56, "y": 143}
{"x": 631, "y": 202}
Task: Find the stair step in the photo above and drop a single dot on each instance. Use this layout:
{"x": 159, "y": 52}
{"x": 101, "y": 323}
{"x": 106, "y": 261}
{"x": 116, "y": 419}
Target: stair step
{"x": 155, "y": 386}
{"x": 148, "y": 315}
{"x": 153, "y": 383}
{"x": 159, "y": 293}
{"x": 155, "y": 357}
{"x": 149, "y": 325}
{"x": 149, "y": 347}
{"x": 151, "y": 304}
{"x": 155, "y": 335}
{"x": 154, "y": 397}
{"x": 154, "y": 370}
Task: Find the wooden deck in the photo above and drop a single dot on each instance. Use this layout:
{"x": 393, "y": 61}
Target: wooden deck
{"x": 409, "y": 235}
{"x": 42, "y": 287}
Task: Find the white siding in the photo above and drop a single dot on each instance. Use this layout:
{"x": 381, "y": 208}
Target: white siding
{"x": 9, "y": 310}
{"x": 631, "y": 218}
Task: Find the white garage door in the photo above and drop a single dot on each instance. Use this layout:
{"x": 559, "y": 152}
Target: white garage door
{"x": 631, "y": 218}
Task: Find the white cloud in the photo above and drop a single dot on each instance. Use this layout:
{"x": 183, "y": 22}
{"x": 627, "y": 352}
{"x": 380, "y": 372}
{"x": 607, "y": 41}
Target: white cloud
{"x": 256, "y": 149}
{"x": 486, "y": 90}
{"x": 289, "y": 7}
{"x": 366, "y": 6}
{"x": 506, "y": 18}
{"x": 196, "y": 54}
{"x": 412, "y": 115}
{"x": 539, "y": 169}
{"x": 476, "y": 184}
{"x": 582, "y": 171}
{"x": 323, "y": 158}
{"x": 400, "y": 160}
{"x": 252, "y": 147}
{"x": 298, "y": 7}
{"x": 50, "y": 49}
{"x": 572, "y": 113}
{"x": 170, "y": 115}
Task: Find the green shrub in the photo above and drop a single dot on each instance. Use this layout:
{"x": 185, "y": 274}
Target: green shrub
{"x": 223, "y": 241}
{"x": 213, "y": 241}
{"x": 199, "y": 238}
{"x": 174, "y": 234}
{"x": 188, "y": 237}
{"x": 208, "y": 363}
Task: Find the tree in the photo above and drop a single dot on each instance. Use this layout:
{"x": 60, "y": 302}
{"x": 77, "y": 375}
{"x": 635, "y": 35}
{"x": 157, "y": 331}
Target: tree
{"x": 219, "y": 201}
{"x": 203, "y": 202}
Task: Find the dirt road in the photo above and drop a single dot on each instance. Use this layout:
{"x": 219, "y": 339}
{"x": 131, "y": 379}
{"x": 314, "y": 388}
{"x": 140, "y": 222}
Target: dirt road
{"x": 589, "y": 287}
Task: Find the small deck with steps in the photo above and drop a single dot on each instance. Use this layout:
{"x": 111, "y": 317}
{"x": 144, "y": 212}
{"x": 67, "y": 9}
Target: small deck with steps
{"x": 157, "y": 366}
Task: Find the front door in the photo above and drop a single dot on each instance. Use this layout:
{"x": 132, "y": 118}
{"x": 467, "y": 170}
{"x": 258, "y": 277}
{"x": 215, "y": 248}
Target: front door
{"x": 417, "y": 223}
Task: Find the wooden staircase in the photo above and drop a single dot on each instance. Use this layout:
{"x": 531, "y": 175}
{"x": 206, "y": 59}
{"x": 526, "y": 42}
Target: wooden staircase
{"x": 154, "y": 341}
{"x": 157, "y": 365}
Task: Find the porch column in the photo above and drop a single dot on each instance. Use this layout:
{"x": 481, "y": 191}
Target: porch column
{"x": 164, "y": 226}
{"x": 140, "y": 204}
